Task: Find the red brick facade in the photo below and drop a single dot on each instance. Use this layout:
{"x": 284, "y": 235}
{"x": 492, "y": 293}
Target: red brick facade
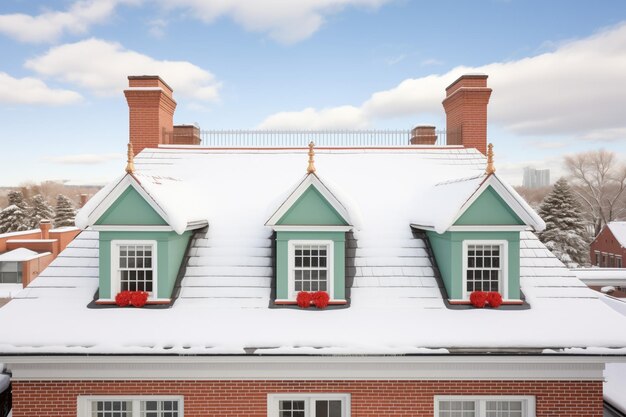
{"x": 466, "y": 112}
{"x": 611, "y": 253}
{"x": 249, "y": 398}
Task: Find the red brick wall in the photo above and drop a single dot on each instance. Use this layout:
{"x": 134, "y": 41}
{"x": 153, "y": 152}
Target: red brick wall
{"x": 606, "y": 242}
{"x": 369, "y": 398}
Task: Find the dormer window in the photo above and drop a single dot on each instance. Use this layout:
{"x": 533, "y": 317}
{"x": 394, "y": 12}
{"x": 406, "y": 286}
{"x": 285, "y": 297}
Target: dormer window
{"x": 310, "y": 229}
{"x": 473, "y": 227}
{"x": 485, "y": 266}
{"x": 136, "y": 261}
{"x": 310, "y": 269}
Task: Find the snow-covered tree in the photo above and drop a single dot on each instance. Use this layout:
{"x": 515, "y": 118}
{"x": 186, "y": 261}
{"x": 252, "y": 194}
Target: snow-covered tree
{"x": 565, "y": 233}
{"x": 64, "y": 212}
{"x": 39, "y": 210}
{"x": 13, "y": 219}
{"x": 16, "y": 198}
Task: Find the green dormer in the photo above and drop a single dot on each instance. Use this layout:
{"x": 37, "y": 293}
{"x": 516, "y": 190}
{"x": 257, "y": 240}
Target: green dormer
{"x": 141, "y": 246}
{"x": 310, "y": 228}
{"x": 475, "y": 236}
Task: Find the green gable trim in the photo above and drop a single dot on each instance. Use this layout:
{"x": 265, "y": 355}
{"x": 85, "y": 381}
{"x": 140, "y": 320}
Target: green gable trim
{"x": 130, "y": 208}
{"x": 282, "y": 260}
{"x": 311, "y": 208}
{"x": 170, "y": 250}
{"x": 489, "y": 209}
{"x": 448, "y": 251}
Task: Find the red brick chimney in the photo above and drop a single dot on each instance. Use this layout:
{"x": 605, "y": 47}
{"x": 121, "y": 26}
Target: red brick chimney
{"x": 44, "y": 226}
{"x": 423, "y": 135}
{"x": 151, "y": 109}
{"x": 466, "y": 111}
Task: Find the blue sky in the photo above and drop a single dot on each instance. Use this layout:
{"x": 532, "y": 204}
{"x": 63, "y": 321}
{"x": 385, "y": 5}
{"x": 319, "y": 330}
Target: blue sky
{"x": 558, "y": 70}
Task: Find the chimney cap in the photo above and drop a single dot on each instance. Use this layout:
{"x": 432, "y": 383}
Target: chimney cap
{"x": 149, "y": 77}
{"x": 475, "y": 76}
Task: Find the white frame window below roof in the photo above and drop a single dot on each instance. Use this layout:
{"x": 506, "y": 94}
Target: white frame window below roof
{"x": 598, "y": 258}
{"x": 11, "y": 272}
{"x": 618, "y": 261}
{"x": 484, "y": 406}
{"x": 117, "y": 267}
{"x": 134, "y": 405}
{"x": 310, "y": 268}
{"x": 501, "y": 269}
{"x": 304, "y": 405}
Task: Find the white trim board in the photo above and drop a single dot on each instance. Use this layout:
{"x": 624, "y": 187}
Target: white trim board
{"x": 515, "y": 203}
{"x": 309, "y": 180}
{"x": 26, "y": 368}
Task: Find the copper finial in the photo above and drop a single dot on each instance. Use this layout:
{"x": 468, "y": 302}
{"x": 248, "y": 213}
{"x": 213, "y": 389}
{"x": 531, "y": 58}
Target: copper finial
{"x": 311, "y": 168}
{"x": 130, "y": 165}
{"x": 491, "y": 169}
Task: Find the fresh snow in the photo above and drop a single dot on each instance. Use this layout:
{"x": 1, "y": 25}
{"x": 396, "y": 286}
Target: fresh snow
{"x": 18, "y": 255}
{"x": 396, "y": 307}
{"x": 619, "y": 231}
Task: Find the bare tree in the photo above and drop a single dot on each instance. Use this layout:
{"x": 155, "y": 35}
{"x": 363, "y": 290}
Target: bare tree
{"x": 599, "y": 180}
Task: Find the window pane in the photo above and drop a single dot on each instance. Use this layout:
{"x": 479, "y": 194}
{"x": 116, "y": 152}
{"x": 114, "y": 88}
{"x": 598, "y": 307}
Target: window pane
{"x": 504, "y": 408}
{"x": 457, "y": 409}
{"x": 321, "y": 408}
{"x": 135, "y": 264}
{"x": 291, "y": 408}
{"x": 310, "y": 267}
{"x": 483, "y": 268}
{"x": 111, "y": 409}
{"x": 163, "y": 408}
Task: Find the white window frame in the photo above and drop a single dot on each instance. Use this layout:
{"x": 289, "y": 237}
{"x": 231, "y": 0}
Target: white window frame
{"x": 291, "y": 292}
{"x": 273, "y": 401}
{"x": 618, "y": 261}
{"x": 504, "y": 263}
{"x": 115, "y": 266}
{"x": 84, "y": 402}
{"x": 597, "y": 258}
{"x": 528, "y": 402}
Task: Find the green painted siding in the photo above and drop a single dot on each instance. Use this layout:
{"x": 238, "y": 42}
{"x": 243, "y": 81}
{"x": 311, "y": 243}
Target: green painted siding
{"x": 489, "y": 209}
{"x": 130, "y": 209}
{"x": 312, "y": 209}
{"x": 282, "y": 260}
{"x": 448, "y": 251}
{"x": 170, "y": 252}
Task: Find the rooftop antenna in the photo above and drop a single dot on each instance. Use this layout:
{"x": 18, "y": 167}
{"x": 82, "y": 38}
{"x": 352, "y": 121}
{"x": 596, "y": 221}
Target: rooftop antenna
{"x": 491, "y": 169}
{"x": 130, "y": 164}
{"x": 311, "y": 168}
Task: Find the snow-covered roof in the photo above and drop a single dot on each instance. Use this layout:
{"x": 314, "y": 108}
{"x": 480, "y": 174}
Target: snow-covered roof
{"x": 396, "y": 303}
{"x": 601, "y": 276}
{"x": 163, "y": 193}
{"x": 445, "y": 202}
{"x": 619, "y": 231}
{"x": 18, "y": 255}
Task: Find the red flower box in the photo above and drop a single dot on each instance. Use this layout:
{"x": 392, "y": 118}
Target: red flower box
{"x": 478, "y": 299}
{"x": 494, "y": 299}
{"x": 321, "y": 299}
{"x": 134, "y": 298}
{"x": 122, "y": 299}
{"x": 304, "y": 299}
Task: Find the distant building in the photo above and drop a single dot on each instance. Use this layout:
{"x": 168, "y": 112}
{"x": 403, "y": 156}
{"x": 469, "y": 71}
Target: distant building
{"x": 608, "y": 249}
{"x": 536, "y": 178}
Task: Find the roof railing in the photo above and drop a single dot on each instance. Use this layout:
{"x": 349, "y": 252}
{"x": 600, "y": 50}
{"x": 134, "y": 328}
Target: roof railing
{"x": 321, "y": 138}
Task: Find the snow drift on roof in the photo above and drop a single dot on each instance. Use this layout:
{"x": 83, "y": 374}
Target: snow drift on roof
{"x": 619, "y": 231}
{"x": 18, "y": 255}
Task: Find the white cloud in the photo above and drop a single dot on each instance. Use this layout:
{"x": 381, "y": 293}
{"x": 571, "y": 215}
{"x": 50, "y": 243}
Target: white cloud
{"x": 85, "y": 159}
{"x": 286, "y": 21}
{"x": 102, "y": 67}
{"x": 344, "y": 117}
{"x": 30, "y": 90}
{"x": 50, "y": 25}
{"x": 575, "y": 90}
